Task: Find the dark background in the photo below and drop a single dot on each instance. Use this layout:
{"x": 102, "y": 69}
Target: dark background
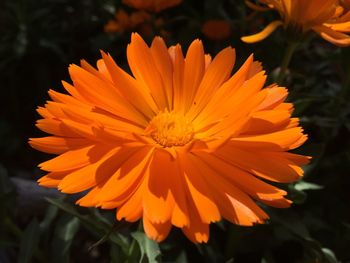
{"x": 40, "y": 38}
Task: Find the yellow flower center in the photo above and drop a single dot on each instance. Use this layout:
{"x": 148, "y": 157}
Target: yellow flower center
{"x": 170, "y": 129}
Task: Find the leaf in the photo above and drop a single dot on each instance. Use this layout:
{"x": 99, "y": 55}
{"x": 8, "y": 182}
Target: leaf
{"x": 302, "y": 186}
{"x": 65, "y": 207}
{"x": 66, "y": 228}
{"x": 29, "y": 242}
{"x": 116, "y": 254}
{"x": 148, "y": 247}
{"x": 292, "y": 222}
{"x": 51, "y": 213}
{"x": 95, "y": 225}
{"x": 297, "y": 196}
{"x": 182, "y": 258}
{"x": 7, "y": 193}
{"x": 329, "y": 255}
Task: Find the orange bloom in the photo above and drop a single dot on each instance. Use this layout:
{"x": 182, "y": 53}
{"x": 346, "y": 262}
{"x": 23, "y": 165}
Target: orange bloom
{"x": 124, "y": 22}
{"x": 152, "y": 5}
{"x": 328, "y": 18}
{"x": 181, "y": 142}
{"x": 216, "y": 29}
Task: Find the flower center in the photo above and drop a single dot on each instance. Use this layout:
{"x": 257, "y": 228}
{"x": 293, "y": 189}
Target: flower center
{"x": 170, "y": 129}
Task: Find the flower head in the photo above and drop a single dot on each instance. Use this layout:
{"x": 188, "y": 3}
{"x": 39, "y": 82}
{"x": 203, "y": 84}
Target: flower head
{"x": 180, "y": 143}
{"x": 329, "y": 18}
{"x": 123, "y": 22}
{"x": 152, "y": 5}
{"x": 216, "y": 29}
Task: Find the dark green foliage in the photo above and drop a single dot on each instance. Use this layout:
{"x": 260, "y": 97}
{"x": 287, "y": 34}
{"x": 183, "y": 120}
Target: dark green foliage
{"x": 40, "y": 38}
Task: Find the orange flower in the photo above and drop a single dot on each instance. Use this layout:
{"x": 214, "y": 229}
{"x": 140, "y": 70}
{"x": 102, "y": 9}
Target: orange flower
{"x": 216, "y": 29}
{"x": 329, "y": 18}
{"x": 152, "y": 5}
{"x": 125, "y": 22}
{"x": 181, "y": 142}
{"x": 120, "y": 24}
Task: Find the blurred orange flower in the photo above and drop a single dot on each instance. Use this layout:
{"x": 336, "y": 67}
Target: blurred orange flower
{"x": 329, "y": 18}
{"x": 180, "y": 143}
{"x": 152, "y": 5}
{"x": 124, "y": 22}
{"x": 216, "y": 29}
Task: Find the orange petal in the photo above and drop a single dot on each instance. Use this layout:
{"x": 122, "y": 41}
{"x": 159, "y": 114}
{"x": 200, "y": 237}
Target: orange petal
{"x": 282, "y": 140}
{"x": 270, "y": 166}
{"x": 164, "y": 65}
{"x": 193, "y": 73}
{"x": 276, "y": 95}
{"x": 145, "y": 71}
{"x": 55, "y": 127}
{"x": 244, "y": 180}
{"x": 89, "y": 175}
{"x": 57, "y": 145}
{"x": 74, "y": 159}
{"x": 197, "y": 231}
{"x": 267, "y": 121}
{"x": 52, "y": 180}
{"x": 263, "y": 34}
{"x": 138, "y": 97}
{"x": 158, "y": 201}
{"x": 102, "y": 94}
{"x": 336, "y": 38}
{"x": 234, "y": 204}
{"x": 199, "y": 192}
{"x": 156, "y": 231}
{"x": 217, "y": 72}
{"x": 178, "y": 75}
{"x": 130, "y": 169}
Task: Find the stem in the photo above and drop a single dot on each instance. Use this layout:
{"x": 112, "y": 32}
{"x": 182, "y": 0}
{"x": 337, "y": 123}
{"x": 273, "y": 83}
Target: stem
{"x": 292, "y": 46}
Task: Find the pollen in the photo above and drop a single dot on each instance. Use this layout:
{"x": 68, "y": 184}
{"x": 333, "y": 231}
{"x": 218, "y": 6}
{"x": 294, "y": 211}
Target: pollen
{"x": 170, "y": 129}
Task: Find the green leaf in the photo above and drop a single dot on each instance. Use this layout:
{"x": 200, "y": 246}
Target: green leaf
{"x": 65, "y": 207}
{"x": 116, "y": 254}
{"x": 329, "y": 255}
{"x": 182, "y": 258}
{"x": 50, "y": 215}
{"x": 94, "y": 224}
{"x": 149, "y": 248}
{"x": 29, "y": 242}
{"x": 297, "y": 196}
{"x": 302, "y": 186}
{"x": 292, "y": 222}
{"x": 66, "y": 228}
{"x": 7, "y": 193}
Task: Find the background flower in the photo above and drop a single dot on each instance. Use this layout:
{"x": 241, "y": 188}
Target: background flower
{"x": 216, "y": 29}
{"x": 328, "y": 18}
{"x": 152, "y": 5}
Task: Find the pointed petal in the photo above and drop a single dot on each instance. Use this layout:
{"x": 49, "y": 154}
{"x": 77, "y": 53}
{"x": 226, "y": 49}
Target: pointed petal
{"x": 336, "y": 38}
{"x": 158, "y": 201}
{"x": 57, "y": 145}
{"x": 263, "y": 34}
{"x": 156, "y": 231}
{"x": 145, "y": 71}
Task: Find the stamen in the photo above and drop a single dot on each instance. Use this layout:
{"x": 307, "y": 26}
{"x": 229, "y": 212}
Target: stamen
{"x": 170, "y": 129}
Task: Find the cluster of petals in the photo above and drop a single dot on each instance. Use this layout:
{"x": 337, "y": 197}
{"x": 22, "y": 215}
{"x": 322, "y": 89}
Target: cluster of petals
{"x": 328, "y": 18}
{"x": 152, "y": 5}
{"x": 181, "y": 142}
